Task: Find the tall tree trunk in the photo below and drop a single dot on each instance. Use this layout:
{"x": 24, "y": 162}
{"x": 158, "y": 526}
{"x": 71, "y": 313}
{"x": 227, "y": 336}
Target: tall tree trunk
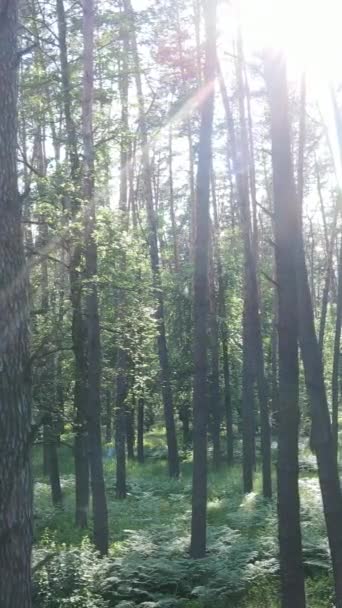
{"x": 173, "y": 460}
{"x": 322, "y": 439}
{"x": 100, "y": 518}
{"x": 290, "y": 545}
{"x": 172, "y": 205}
{"x": 140, "y": 431}
{"x": 214, "y": 376}
{"x": 78, "y": 331}
{"x": 15, "y": 399}
{"x": 120, "y": 424}
{"x": 328, "y": 275}
{"x": 336, "y": 359}
{"x": 108, "y": 416}
{"x": 253, "y": 353}
{"x": 201, "y": 294}
{"x": 130, "y": 433}
{"x": 122, "y": 364}
{"x": 223, "y": 334}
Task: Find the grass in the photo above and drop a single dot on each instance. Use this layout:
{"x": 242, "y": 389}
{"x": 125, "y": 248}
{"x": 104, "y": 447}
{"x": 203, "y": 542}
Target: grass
{"x": 149, "y": 540}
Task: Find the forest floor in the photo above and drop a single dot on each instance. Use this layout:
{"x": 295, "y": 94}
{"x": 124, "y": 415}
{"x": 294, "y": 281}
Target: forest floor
{"x": 148, "y": 564}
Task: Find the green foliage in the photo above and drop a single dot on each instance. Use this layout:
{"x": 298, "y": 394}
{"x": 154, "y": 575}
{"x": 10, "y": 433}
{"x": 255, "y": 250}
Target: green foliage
{"x": 148, "y": 559}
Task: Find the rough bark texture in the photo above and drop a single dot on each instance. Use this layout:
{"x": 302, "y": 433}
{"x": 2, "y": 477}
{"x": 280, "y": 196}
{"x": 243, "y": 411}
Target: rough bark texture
{"x": 201, "y": 295}
{"x": 291, "y": 563}
{"x": 100, "y": 518}
{"x": 15, "y": 412}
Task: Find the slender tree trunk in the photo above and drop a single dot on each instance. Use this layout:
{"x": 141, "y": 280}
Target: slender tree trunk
{"x": 173, "y": 460}
{"x": 130, "y": 437}
{"x": 122, "y": 364}
{"x": 201, "y": 295}
{"x": 78, "y": 331}
{"x": 55, "y": 483}
{"x": 120, "y": 425}
{"x": 99, "y": 502}
{"x": 291, "y": 560}
{"x": 327, "y": 279}
{"x": 322, "y": 439}
{"x": 172, "y": 205}
{"x": 108, "y": 416}
{"x": 336, "y": 359}
{"x": 223, "y": 334}
{"x": 253, "y": 354}
{"x": 140, "y": 430}
{"x": 214, "y": 377}
{"x": 15, "y": 399}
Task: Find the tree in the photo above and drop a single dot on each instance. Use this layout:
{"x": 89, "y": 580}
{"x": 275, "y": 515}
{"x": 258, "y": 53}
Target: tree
{"x": 15, "y": 401}
{"x": 93, "y": 407}
{"x": 78, "y": 330}
{"x": 173, "y": 460}
{"x": 285, "y": 225}
{"x": 201, "y": 293}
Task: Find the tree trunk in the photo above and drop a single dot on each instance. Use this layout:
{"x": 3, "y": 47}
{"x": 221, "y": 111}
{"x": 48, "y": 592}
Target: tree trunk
{"x": 120, "y": 425}
{"x": 173, "y": 460}
{"x": 291, "y": 561}
{"x": 15, "y": 399}
{"x": 130, "y": 437}
{"x": 78, "y": 332}
{"x": 336, "y": 359}
{"x": 100, "y": 518}
{"x": 322, "y": 439}
{"x": 108, "y": 416}
{"x": 247, "y": 404}
{"x": 55, "y": 483}
{"x": 223, "y": 334}
{"x": 214, "y": 377}
{"x": 140, "y": 431}
{"x": 201, "y": 295}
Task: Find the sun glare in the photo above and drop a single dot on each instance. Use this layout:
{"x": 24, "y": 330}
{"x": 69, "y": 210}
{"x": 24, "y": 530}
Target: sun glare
{"x": 308, "y": 32}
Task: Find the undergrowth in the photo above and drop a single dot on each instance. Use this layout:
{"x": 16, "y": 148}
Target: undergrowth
{"x": 149, "y": 539}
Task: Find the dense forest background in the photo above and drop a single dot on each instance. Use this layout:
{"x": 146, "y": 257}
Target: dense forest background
{"x": 170, "y": 311}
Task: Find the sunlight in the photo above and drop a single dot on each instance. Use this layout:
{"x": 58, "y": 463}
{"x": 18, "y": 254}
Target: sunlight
{"x": 307, "y": 31}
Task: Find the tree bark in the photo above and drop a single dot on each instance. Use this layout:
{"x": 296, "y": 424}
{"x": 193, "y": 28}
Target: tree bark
{"x": 201, "y": 295}
{"x": 140, "y": 431}
{"x": 78, "y": 330}
{"x": 222, "y": 313}
{"x": 291, "y": 561}
{"x": 130, "y": 434}
{"x": 322, "y": 439}
{"x": 100, "y": 517}
{"x": 336, "y": 358}
{"x": 15, "y": 399}
{"x": 120, "y": 425}
{"x": 214, "y": 377}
